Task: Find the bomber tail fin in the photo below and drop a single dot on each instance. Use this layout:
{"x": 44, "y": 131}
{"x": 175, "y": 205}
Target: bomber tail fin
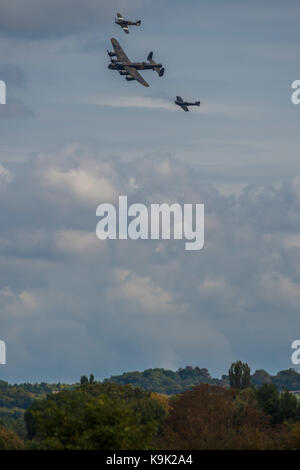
{"x": 158, "y": 68}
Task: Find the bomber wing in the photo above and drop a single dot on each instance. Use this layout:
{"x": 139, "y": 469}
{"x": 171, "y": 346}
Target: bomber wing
{"x": 121, "y": 56}
{"x": 134, "y": 73}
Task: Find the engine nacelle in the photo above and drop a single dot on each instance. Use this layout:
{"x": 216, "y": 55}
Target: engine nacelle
{"x": 111, "y": 54}
{"x": 130, "y": 79}
{"x": 123, "y": 72}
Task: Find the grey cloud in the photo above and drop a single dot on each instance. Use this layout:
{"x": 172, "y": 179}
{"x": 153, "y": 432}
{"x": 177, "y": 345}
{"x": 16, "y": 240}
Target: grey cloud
{"x": 15, "y": 108}
{"x": 128, "y": 305}
{"x": 12, "y": 75}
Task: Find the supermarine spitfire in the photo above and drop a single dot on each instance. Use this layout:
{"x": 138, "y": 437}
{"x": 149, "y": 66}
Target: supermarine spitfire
{"x": 124, "y": 23}
{"x": 184, "y": 104}
{"x": 130, "y": 69}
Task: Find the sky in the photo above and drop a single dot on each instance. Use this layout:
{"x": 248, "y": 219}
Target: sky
{"x": 74, "y": 134}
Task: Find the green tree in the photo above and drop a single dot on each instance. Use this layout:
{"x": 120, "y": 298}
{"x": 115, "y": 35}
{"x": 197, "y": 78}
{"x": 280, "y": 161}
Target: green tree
{"x": 268, "y": 399}
{"x": 95, "y": 417}
{"x": 84, "y": 380}
{"x": 239, "y": 375}
{"x": 92, "y": 379}
{"x": 288, "y": 407}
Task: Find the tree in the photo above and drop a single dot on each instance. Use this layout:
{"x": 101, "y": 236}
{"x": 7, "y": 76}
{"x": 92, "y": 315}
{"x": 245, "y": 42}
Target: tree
{"x": 239, "y": 375}
{"x": 288, "y": 407}
{"x": 212, "y": 417}
{"x": 9, "y": 440}
{"x": 95, "y": 417}
{"x": 261, "y": 377}
{"x": 268, "y": 399}
{"x": 84, "y": 380}
{"x": 281, "y": 407}
{"x": 92, "y": 379}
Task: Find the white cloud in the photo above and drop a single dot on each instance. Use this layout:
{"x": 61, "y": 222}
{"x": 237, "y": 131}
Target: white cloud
{"x": 143, "y": 291}
{"x": 212, "y": 286}
{"x": 292, "y": 241}
{"x": 77, "y": 242}
{"x": 74, "y": 175}
{"x": 81, "y": 184}
{"x": 281, "y": 290}
{"x": 24, "y": 303}
{"x": 6, "y": 176}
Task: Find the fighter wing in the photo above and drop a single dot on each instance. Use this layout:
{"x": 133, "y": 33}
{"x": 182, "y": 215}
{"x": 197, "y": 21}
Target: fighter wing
{"x": 179, "y": 99}
{"x": 185, "y": 108}
{"x": 125, "y": 29}
{"x": 120, "y": 16}
{"x": 121, "y": 56}
{"x": 134, "y": 73}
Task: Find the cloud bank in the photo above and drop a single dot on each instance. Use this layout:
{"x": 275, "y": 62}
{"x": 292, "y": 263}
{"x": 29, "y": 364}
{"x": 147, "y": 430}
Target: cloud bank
{"x": 71, "y": 304}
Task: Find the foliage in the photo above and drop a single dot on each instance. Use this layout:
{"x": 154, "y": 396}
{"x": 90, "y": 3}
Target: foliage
{"x": 280, "y": 407}
{"x": 212, "y": 417}
{"x": 10, "y": 440}
{"x": 239, "y": 375}
{"x": 95, "y": 417}
{"x": 166, "y": 381}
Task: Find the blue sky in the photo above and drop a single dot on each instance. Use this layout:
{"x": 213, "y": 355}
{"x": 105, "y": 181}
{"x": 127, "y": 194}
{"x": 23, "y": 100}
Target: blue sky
{"x": 74, "y": 134}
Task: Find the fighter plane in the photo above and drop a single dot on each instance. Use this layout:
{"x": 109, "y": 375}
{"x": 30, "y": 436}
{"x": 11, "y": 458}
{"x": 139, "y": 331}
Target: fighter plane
{"x": 124, "y": 23}
{"x": 184, "y": 104}
{"x": 130, "y": 69}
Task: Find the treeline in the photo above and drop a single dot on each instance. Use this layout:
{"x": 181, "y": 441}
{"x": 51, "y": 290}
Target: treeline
{"x": 170, "y": 382}
{"x": 155, "y": 409}
{"x": 167, "y": 381}
{"x": 22, "y": 395}
{"x": 108, "y": 416}
{"x": 15, "y": 399}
